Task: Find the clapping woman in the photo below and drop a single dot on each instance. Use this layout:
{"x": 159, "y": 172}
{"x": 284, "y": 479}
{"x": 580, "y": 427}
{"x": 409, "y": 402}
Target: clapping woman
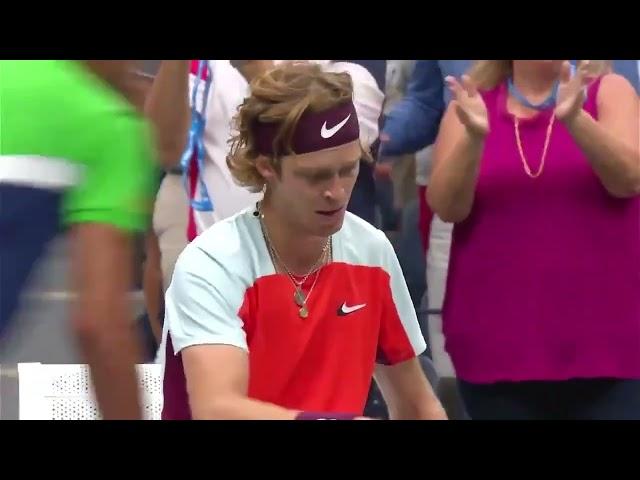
{"x": 539, "y": 168}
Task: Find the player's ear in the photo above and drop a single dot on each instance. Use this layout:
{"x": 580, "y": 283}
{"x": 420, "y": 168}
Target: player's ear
{"x": 266, "y": 168}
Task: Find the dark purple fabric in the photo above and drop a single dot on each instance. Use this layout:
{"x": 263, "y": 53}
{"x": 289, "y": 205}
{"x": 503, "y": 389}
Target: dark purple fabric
{"x": 315, "y": 131}
{"x": 174, "y": 388}
{"x": 325, "y": 416}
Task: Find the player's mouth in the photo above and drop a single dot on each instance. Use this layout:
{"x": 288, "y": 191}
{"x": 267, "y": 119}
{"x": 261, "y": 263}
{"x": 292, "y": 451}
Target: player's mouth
{"x": 329, "y": 213}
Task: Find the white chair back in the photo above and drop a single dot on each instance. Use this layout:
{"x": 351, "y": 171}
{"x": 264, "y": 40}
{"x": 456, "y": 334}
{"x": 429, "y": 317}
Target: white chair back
{"x": 65, "y": 392}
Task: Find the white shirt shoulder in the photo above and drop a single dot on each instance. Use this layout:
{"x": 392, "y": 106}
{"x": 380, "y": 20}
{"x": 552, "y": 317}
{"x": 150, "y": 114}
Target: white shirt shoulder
{"x": 360, "y": 243}
{"x": 209, "y": 283}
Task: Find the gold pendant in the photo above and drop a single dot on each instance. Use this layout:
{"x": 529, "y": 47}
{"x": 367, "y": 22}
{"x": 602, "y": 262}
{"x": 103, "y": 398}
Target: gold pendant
{"x": 298, "y": 297}
{"x": 303, "y": 312}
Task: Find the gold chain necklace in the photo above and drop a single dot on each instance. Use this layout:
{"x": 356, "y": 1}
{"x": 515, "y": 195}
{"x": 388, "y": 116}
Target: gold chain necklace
{"x": 525, "y": 164}
{"x": 299, "y": 297}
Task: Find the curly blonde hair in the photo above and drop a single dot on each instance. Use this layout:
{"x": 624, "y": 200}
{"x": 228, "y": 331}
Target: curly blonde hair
{"x": 281, "y": 96}
{"x": 488, "y": 74}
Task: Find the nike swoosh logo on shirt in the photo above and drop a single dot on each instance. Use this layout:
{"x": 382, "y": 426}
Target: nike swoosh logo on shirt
{"x": 345, "y": 310}
{"x": 330, "y": 132}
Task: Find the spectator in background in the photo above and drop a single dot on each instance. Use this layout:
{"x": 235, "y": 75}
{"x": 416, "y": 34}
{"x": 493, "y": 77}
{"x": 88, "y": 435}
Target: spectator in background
{"x": 413, "y": 123}
{"x": 411, "y": 126}
{"x": 171, "y": 108}
{"x": 543, "y": 323}
{"x": 401, "y": 169}
{"x": 148, "y": 255}
{"x": 168, "y": 106}
{"x": 391, "y": 174}
{"x": 370, "y": 101}
{"x": 396, "y": 178}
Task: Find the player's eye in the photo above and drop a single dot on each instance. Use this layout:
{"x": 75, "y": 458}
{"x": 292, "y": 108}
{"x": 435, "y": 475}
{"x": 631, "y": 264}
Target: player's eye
{"x": 319, "y": 177}
{"x": 348, "y": 171}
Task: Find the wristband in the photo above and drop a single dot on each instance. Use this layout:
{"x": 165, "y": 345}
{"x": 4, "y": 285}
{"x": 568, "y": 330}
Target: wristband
{"x": 325, "y": 416}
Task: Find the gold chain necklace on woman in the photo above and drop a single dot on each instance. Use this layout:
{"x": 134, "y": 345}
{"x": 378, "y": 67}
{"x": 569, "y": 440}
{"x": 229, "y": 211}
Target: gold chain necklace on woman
{"x": 525, "y": 164}
{"x": 300, "y": 299}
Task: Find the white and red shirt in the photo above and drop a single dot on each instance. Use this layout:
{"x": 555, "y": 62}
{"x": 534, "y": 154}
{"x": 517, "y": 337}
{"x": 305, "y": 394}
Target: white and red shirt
{"x": 228, "y": 90}
{"x": 225, "y": 290}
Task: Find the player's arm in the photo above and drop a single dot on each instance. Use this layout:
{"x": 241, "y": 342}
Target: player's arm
{"x": 399, "y": 375}
{"x": 104, "y": 211}
{"x": 407, "y": 392}
{"x": 217, "y": 384}
{"x": 202, "y": 307}
{"x": 167, "y": 105}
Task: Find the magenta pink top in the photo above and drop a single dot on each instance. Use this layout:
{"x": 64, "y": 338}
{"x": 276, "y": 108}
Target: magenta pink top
{"x": 544, "y": 279}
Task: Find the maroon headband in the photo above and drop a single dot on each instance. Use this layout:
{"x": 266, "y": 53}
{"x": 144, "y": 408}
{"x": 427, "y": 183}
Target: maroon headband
{"x": 315, "y": 131}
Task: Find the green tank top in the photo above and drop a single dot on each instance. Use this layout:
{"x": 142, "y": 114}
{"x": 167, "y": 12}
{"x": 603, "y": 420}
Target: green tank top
{"x": 61, "y": 127}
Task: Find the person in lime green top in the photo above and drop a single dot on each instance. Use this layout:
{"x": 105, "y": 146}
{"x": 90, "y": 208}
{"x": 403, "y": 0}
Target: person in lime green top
{"x": 76, "y": 154}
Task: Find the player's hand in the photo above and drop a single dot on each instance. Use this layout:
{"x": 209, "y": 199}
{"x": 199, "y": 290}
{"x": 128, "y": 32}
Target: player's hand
{"x": 469, "y": 105}
{"x": 571, "y": 92}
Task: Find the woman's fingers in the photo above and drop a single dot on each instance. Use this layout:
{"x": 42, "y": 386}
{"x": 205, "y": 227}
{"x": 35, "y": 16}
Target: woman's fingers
{"x": 586, "y": 72}
{"x": 454, "y": 86}
{"x": 469, "y": 86}
{"x": 463, "y": 116}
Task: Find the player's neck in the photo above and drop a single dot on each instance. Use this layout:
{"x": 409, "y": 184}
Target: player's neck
{"x": 298, "y": 252}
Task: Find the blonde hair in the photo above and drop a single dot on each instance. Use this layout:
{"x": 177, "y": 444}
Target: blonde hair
{"x": 281, "y": 96}
{"x": 488, "y": 74}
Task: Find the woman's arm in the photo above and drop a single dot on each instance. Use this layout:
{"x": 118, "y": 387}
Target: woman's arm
{"x": 612, "y": 143}
{"x": 457, "y": 153}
